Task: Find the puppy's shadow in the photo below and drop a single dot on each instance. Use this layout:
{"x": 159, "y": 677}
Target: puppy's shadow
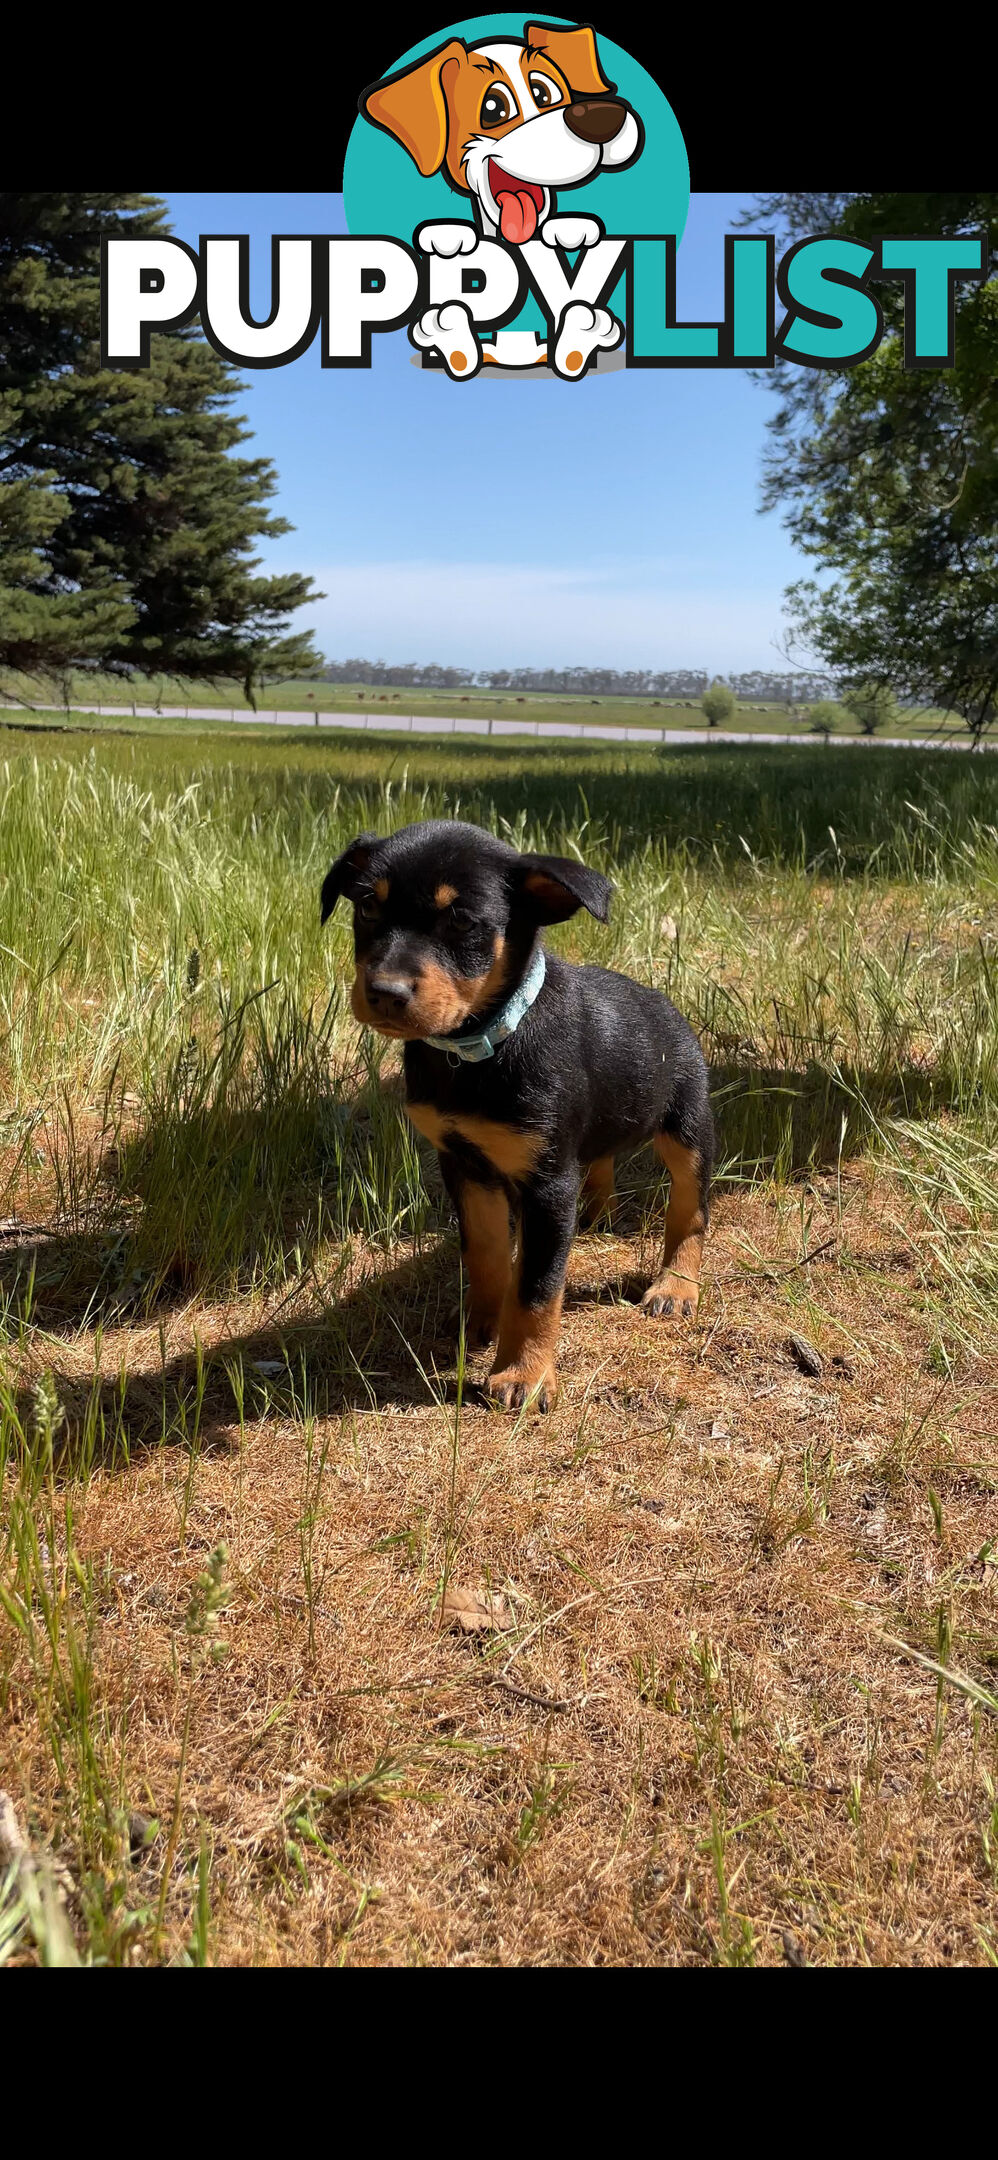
{"x": 390, "y": 1343}
{"x": 609, "y": 1288}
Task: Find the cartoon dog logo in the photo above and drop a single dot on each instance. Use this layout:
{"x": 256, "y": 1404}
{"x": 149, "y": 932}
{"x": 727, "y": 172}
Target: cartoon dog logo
{"x": 510, "y": 122}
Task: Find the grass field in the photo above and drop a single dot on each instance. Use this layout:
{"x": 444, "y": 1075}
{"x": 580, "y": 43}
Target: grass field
{"x": 174, "y": 692}
{"x": 306, "y": 1655}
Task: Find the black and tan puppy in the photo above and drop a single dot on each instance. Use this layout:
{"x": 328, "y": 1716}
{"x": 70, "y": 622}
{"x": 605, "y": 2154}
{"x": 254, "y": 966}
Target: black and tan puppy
{"x": 527, "y": 1074}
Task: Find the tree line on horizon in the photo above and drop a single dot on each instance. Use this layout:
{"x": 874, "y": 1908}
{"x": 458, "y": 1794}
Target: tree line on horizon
{"x": 766, "y": 687}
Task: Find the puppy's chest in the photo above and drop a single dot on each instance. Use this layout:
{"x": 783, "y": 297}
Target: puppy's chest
{"x": 463, "y": 1112}
{"x": 511, "y": 1149}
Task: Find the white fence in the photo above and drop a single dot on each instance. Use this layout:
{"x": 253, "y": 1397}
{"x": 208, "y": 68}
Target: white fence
{"x": 460, "y": 724}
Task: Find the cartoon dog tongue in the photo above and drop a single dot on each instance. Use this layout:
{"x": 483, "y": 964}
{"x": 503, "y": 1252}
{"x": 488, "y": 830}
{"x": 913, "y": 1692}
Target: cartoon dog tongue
{"x": 517, "y": 217}
{"x": 519, "y": 203}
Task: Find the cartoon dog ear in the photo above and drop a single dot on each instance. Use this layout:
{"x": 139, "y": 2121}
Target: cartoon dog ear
{"x": 574, "y": 54}
{"x": 413, "y": 106}
{"x": 345, "y": 871}
{"x": 555, "y": 887}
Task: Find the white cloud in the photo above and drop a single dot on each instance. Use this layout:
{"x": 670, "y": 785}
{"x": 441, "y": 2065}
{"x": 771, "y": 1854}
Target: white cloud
{"x": 668, "y": 613}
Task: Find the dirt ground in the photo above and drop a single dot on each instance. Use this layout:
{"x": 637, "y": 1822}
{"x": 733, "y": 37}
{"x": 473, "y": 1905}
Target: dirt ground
{"x": 635, "y": 1684}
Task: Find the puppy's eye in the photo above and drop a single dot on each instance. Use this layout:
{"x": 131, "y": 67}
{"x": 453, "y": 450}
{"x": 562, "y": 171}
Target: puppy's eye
{"x": 498, "y": 105}
{"x": 461, "y": 917}
{"x": 544, "y": 91}
{"x": 368, "y": 910}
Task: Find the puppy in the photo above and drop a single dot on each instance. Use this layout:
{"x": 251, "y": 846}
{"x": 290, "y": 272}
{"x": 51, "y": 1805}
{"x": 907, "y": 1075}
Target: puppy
{"x": 508, "y": 122}
{"x": 526, "y": 1073}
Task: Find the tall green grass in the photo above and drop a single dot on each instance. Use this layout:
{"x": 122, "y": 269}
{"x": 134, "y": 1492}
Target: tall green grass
{"x": 184, "y": 1091}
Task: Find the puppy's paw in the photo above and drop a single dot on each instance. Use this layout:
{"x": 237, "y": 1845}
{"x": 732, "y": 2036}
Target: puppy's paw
{"x": 583, "y": 330}
{"x": 447, "y": 240}
{"x": 675, "y": 1297}
{"x": 571, "y": 232}
{"x": 449, "y": 330}
{"x": 515, "y": 1386}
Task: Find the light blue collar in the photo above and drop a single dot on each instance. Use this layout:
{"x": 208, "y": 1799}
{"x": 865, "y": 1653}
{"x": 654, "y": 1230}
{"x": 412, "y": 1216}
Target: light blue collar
{"x": 471, "y": 1049}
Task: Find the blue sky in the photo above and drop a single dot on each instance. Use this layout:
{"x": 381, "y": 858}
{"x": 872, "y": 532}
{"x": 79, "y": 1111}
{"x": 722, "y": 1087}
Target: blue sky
{"x": 623, "y": 529}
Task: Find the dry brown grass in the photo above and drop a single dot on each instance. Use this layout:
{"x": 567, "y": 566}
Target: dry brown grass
{"x": 691, "y": 1744}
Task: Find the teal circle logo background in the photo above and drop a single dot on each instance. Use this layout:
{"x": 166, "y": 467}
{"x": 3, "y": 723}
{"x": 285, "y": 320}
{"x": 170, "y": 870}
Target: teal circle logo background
{"x": 384, "y": 192}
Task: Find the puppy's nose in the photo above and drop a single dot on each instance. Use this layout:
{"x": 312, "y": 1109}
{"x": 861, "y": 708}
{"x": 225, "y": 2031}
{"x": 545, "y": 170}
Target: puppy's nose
{"x": 595, "y": 120}
{"x": 388, "y": 995}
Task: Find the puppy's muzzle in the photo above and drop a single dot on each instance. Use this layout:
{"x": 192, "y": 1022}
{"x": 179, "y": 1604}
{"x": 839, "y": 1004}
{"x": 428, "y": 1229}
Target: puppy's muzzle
{"x": 389, "y": 996}
{"x": 595, "y": 120}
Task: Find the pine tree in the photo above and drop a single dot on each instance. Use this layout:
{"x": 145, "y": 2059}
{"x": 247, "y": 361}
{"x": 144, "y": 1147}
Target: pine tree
{"x": 127, "y": 529}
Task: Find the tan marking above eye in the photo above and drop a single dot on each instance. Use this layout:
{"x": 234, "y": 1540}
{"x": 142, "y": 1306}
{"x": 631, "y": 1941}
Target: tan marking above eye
{"x": 381, "y": 888}
{"x": 445, "y": 896}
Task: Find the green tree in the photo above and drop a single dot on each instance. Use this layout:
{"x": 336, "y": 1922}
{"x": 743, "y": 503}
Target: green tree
{"x": 872, "y": 706}
{"x": 823, "y": 718}
{"x": 719, "y": 703}
{"x": 889, "y": 478}
{"x": 127, "y": 527}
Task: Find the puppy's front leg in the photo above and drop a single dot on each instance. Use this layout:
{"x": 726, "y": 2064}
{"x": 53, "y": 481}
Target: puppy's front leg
{"x": 486, "y": 1247}
{"x": 531, "y": 1313}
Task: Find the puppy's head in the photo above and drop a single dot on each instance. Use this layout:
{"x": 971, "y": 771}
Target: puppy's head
{"x": 509, "y": 120}
{"x": 445, "y": 920}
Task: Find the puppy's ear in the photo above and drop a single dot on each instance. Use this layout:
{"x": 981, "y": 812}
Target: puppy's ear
{"x": 345, "y": 871}
{"x": 574, "y": 55}
{"x": 413, "y": 106}
{"x": 555, "y": 887}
